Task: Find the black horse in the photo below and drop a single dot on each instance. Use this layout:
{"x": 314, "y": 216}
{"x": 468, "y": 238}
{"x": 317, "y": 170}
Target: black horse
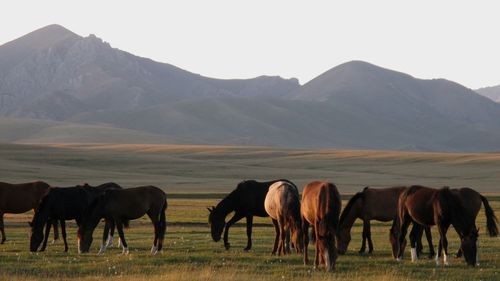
{"x": 247, "y": 201}
{"x": 63, "y": 204}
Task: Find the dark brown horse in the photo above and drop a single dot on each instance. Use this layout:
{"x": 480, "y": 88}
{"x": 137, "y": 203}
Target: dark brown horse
{"x": 247, "y": 201}
{"x": 380, "y": 204}
{"x": 123, "y": 205}
{"x": 320, "y": 207}
{"x": 427, "y": 206}
{"x": 282, "y": 204}
{"x": 63, "y": 203}
{"x": 20, "y": 198}
{"x": 472, "y": 200}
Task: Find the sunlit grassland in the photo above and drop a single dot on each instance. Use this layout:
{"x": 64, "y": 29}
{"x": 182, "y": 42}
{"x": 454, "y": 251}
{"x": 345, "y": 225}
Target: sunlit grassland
{"x": 190, "y": 254}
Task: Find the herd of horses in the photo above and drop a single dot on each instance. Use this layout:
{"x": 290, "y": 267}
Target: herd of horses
{"x": 291, "y": 214}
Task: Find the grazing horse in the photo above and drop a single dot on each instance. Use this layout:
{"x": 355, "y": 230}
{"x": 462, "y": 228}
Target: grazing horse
{"x": 427, "y": 206}
{"x": 379, "y": 204}
{"x": 121, "y": 206}
{"x": 320, "y": 207}
{"x": 247, "y": 201}
{"x": 282, "y": 204}
{"x": 472, "y": 200}
{"x": 63, "y": 203}
{"x": 20, "y": 198}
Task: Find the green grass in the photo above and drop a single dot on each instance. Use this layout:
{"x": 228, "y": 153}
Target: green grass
{"x": 190, "y": 254}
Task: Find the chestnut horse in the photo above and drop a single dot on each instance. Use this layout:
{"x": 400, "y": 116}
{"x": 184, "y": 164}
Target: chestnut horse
{"x": 120, "y": 206}
{"x": 63, "y": 203}
{"x": 282, "y": 204}
{"x": 246, "y": 201}
{"x": 379, "y": 204}
{"x": 320, "y": 207}
{"x": 20, "y": 198}
{"x": 472, "y": 200}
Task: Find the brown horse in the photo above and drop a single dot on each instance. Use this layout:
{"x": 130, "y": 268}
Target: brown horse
{"x": 282, "y": 203}
{"x": 123, "y": 205}
{"x": 20, "y": 198}
{"x": 380, "y": 204}
{"x": 246, "y": 201}
{"x": 472, "y": 200}
{"x": 321, "y": 207}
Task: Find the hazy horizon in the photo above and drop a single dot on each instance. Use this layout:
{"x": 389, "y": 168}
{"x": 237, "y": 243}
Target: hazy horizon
{"x": 224, "y": 39}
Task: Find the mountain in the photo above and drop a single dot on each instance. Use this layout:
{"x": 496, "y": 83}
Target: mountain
{"x": 56, "y": 86}
{"x": 492, "y": 93}
{"x": 53, "y": 66}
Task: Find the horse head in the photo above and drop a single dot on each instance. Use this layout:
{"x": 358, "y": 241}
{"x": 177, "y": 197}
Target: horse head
{"x": 325, "y": 241}
{"x": 216, "y": 223}
{"x": 343, "y": 239}
{"x": 469, "y": 245}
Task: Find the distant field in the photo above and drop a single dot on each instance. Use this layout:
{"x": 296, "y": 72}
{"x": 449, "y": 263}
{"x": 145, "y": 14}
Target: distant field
{"x": 190, "y": 254}
{"x": 215, "y": 169}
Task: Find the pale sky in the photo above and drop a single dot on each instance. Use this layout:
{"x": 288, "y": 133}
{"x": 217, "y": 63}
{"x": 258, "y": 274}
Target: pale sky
{"x": 456, "y": 40}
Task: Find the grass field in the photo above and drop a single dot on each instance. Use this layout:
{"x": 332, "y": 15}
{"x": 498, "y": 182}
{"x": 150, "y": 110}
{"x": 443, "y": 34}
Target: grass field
{"x": 191, "y": 255}
{"x": 199, "y": 171}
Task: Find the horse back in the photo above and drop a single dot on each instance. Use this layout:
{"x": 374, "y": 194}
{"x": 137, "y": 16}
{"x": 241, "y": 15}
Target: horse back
{"x": 320, "y": 200}
{"x": 281, "y": 198}
{"x": 381, "y": 203}
{"x": 20, "y": 198}
{"x": 419, "y": 203}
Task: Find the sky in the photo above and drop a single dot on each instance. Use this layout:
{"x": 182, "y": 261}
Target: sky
{"x": 455, "y": 40}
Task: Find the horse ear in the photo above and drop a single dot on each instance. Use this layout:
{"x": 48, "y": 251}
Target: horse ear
{"x": 211, "y": 209}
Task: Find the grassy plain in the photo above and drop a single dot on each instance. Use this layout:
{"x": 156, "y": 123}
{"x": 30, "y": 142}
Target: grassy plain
{"x": 197, "y": 171}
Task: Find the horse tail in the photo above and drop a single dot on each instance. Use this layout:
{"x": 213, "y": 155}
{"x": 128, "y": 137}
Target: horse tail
{"x": 491, "y": 219}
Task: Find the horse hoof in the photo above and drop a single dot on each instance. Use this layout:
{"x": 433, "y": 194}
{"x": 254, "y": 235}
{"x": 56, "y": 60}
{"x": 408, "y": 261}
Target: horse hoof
{"x": 154, "y": 250}
{"x": 227, "y": 246}
{"x": 125, "y": 251}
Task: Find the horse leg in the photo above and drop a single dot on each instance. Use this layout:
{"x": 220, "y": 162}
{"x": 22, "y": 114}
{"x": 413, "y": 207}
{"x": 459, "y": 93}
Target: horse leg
{"x": 443, "y": 243}
{"x": 46, "y": 237}
{"x": 119, "y": 227}
{"x": 162, "y": 227}
{"x": 415, "y": 236}
{"x": 156, "y": 226}
{"x": 305, "y": 230}
{"x": 276, "y": 237}
{"x": 363, "y": 235}
{"x": 282, "y": 246}
{"x": 287, "y": 242}
{"x": 316, "y": 255}
{"x": 249, "y": 233}
{"x": 105, "y": 238}
{"x": 369, "y": 237}
{"x": 109, "y": 231}
{"x": 428, "y": 235}
{"x": 63, "y": 232}
{"x": 232, "y": 221}
{"x": 2, "y": 229}
{"x": 403, "y": 228}
{"x": 55, "y": 225}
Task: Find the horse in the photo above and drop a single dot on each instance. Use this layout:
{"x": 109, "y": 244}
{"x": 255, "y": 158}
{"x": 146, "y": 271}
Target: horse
{"x": 121, "y": 206}
{"x": 320, "y": 207}
{"x": 282, "y": 204}
{"x": 63, "y": 203}
{"x": 247, "y": 201}
{"x": 20, "y": 198}
{"x": 373, "y": 204}
{"x": 469, "y": 203}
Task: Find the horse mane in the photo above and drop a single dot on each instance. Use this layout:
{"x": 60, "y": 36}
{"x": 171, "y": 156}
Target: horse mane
{"x": 350, "y": 203}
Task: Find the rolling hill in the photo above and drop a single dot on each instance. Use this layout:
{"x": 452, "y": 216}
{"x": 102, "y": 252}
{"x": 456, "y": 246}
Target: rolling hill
{"x": 492, "y": 93}
{"x": 97, "y": 93}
